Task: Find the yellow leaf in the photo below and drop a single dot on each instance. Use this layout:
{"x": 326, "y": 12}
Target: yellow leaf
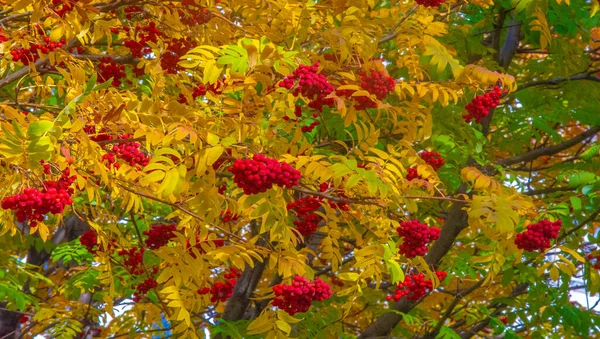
{"x": 349, "y": 276}
{"x": 283, "y": 326}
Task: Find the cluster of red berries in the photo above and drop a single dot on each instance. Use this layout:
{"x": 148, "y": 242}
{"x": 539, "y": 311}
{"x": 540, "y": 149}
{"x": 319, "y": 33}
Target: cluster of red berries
{"x": 415, "y": 287}
{"x": 260, "y": 173}
{"x": 430, "y": 3}
{"x": 63, "y": 6}
{"x": 78, "y": 49}
{"x": 143, "y": 287}
{"x": 175, "y": 50}
{"x": 33, "y": 204}
{"x": 195, "y": 16}
{"x": 131, "y": 10}
{"x": 416, "y": 236}
{"x": 139, "y": 46}
{"x": 200, "y": 91}
{"x": 128, "y": 151}
{"x": 159, "y": 235}
{"x": 297, "y": 297}
{"x": 132, "y": 259}
{"x": 221, "y": 291}
{"x": 375, "y": 83}
{"x": 307, "y": 221}
{"x": 89, "y": 239}
{"x": 480, "y": 106}
{"x": 110, "y": 69}
{"x": 32, "y": 53}
{"x": 298, "y": 112}
{"x": 311, "y": 85}
{"x": 538, "y": 235}
{"x": 433, "y": 159}
{"x": 3, "y": 37}
{"x": 227, "y": 216}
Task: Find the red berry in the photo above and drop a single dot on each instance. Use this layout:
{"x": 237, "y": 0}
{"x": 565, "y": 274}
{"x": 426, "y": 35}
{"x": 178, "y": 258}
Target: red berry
{"x": 538, "y": 235}
{"x": 415, "y": 287}
{"x": 480, "y": 106}
{"x": 159, "y": 235}
{"x": 260, "y": 173}
{"x": 416, "y": 236}
{"x": 298, "y": 296}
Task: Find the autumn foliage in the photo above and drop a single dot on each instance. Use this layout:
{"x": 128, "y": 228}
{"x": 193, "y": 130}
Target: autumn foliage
{"x": 285, "y": 169}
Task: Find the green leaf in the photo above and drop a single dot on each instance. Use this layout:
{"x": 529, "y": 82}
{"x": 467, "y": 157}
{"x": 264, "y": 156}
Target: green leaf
{"x": 590, "y": 152}
{"x": 89, "y": 86}
{"x": 39, "y": 128}
{"x": 576, "y": 203}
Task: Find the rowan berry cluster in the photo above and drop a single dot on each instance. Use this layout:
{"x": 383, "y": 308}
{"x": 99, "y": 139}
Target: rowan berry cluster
{"x": 195, "y": 16}
{"x": 132, "y": 259}
{"x": 110, "y": 69}
{"x": 433, "y": 159}
{"x": 307, "y": 221}
{"x": 159, "y": 235}
{"x": 175, "y": 50}
{"x": 221, "y": 291}
{"x": 143, "y": 287}
{"x": 201, "y": 90}
{"x": 297, "y": 297}
{"x": 480, "y": 106}
{"x": 89, "y": 239}
{"x": 538, "y": 235}
{"x": 139, "y": 46}
{"x": 131, "y": 10}
{"x": 227, "y": 216}
{"x": 34, "y": 204}
{"x": 415, "y": 287}
{"x": 32, "y": 54}
{"x": 260, "y": 173}
{"x": 78, "y": 49}
{"x": 375, "y": 83}
{"x": 3, "y": 37}
{"x": 416, "y": 236}
{"x": 128, "y": 151}
{"x": 310, "y": 84}
{"x": 430, "y": 3}
{"x": 62, "y": 7}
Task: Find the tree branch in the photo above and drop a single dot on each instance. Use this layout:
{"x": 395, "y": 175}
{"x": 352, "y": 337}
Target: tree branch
{"x": 550, "y": 190}
{"x": 393, "y": 32}
{"x": 584, "y": 76}
{"x": 536, "y": 153}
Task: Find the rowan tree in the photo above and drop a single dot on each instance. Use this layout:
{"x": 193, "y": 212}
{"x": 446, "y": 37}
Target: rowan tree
{"x": 327, "y": 169}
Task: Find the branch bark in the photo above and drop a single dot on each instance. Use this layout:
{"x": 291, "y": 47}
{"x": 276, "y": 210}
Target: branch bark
{"x": 536, "y": 153}
{"x": 556, "y": 81}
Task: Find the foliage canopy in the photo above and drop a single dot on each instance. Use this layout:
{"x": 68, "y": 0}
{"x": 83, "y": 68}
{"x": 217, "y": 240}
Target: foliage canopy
{"x": 186, "y": 161}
